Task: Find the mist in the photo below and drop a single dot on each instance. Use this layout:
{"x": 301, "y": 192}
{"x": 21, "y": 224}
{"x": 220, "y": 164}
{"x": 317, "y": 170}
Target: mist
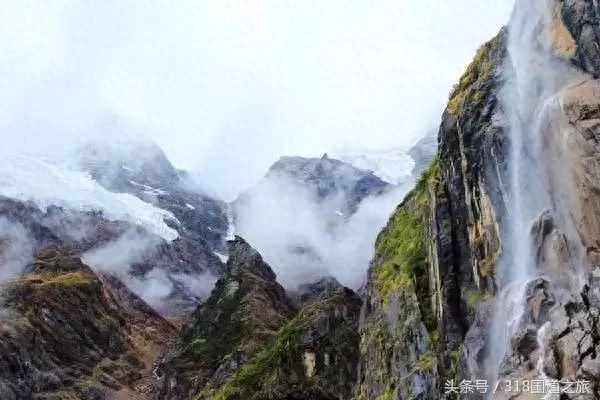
{"x": 227, "y": 87}
{"x": 155, "y": 286}
{"x": 16, "y": 249}
{"x": 303, "y": 239}
{"x": 116, "y": 258}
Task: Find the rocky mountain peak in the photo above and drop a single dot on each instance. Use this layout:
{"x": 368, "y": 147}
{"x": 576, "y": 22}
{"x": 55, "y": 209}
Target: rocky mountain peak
{"x": 249, "y": 341}
{"x": 242, "y": 314}
{"x": 244, "y": 257}
{"x": 329, "y": 177}
{"x": 143, "y": 170}
{"x": 308, "y": 292}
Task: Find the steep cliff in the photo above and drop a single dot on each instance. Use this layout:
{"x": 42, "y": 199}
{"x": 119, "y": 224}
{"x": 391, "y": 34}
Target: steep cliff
{"x": 435, "y": 282}
{"x": 433, "y": 263}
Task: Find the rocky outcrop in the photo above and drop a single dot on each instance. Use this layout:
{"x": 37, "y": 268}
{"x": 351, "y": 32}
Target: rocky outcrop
{"x": 248, "y": 340}
{"x": 314, "y": 356}
{"x": 244, "y": 312}
{"x": 63, "y": 335}
{"x": 308, "y": 292}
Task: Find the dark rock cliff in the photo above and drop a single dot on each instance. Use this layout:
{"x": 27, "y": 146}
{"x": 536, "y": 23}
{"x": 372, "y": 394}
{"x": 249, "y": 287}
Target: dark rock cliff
{"x": 433, "y": 263}
{"x": 433, "y": 280}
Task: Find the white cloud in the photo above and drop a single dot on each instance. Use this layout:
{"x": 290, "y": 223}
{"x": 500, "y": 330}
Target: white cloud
{"x": 16, "y": 249}
{"x": 303, "y": 241}
{"x": 225, "y": 86}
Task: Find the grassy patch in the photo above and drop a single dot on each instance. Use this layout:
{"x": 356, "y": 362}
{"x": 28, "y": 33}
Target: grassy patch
{"x": 401, "y": 245}
{"x": 425, "y": 363}
{"x": 249, "y": 378}
{"x": 477, "y": 72}
{"x": 76, "y": 278}
{"x": 387, "y": 395}
{"x": 261, "y": 376}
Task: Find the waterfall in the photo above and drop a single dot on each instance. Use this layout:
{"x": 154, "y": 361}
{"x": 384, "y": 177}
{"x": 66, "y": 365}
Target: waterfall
{"x": 532, "y": 77}
{"x": 529, "y": 85}
{"x": 230, "y": 223}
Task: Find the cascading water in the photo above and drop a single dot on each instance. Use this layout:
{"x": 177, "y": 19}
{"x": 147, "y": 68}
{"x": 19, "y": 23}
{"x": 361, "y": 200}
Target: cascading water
{"x": 230, "y": 223}
{"x": 532, "y": 78}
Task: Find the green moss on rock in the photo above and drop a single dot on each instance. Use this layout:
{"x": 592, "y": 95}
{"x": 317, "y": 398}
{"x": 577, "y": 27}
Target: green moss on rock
{"x": 478, "y": 72}
{"x": 387, "y": 395}
{"x": 401, "y": 247}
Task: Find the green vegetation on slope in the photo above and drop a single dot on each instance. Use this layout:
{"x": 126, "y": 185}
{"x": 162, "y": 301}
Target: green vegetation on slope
{"x": 70, "y": 278}
{"x": 278, "y": 369}
{"x": 477, "y": 73}
{"x": 249, "y": 378}
{"x": 401, "y": 246}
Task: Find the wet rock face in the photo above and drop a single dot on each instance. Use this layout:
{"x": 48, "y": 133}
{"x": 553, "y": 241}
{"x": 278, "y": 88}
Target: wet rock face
{"x": 577, "y": 148}
{"x": 557, "y": 337}
{"x": 581, "y": 19}
{"x": 461, "y": 222}
{"x": 553, "y": 253}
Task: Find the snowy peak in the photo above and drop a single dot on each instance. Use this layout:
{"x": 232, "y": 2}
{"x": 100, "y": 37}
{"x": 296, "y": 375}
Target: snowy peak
{"x": 329, "y": 177}
{"x": 46, "y": 184}
{"x": 116, "y": 166}
{"x": 394, "y": 166}
{"x": 143, "y": 170}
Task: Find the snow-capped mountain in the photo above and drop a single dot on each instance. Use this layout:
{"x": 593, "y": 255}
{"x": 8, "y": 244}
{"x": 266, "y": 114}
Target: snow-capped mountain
{"x": 394, "y": 166}
{"x": 127, "y": 212}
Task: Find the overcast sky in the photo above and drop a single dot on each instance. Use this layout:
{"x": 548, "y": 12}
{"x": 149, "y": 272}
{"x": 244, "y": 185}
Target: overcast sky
{"x": 225, "y": 86}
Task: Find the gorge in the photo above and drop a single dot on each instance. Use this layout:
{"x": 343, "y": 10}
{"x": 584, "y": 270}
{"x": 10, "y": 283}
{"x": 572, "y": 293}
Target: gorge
{"x": 122, "y": 280}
